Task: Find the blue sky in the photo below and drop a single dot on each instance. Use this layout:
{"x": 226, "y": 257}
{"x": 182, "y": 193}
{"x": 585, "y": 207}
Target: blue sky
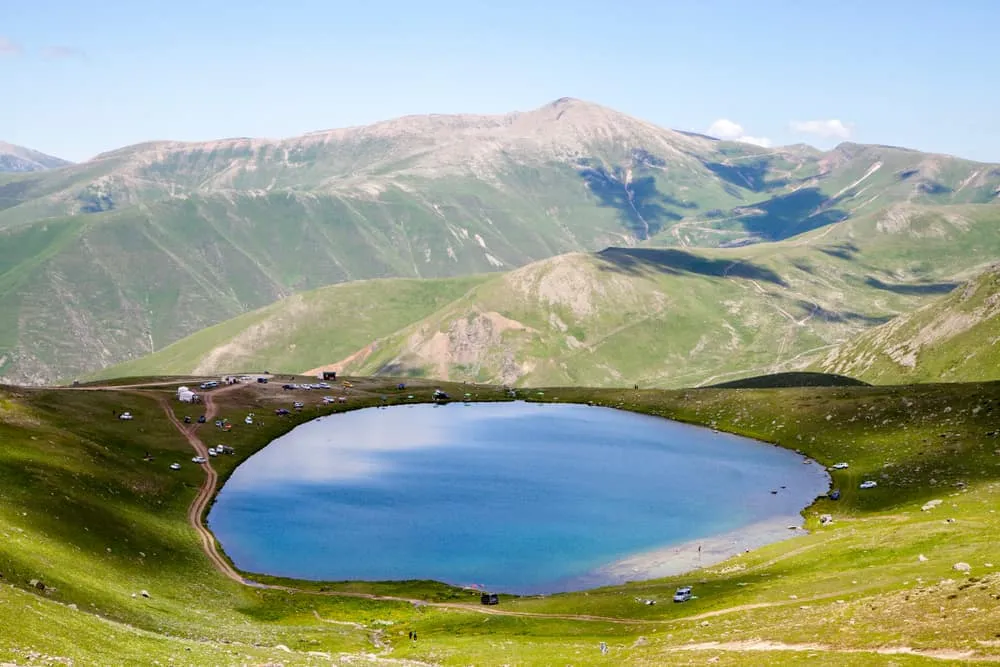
{"x": 79, "y": 78}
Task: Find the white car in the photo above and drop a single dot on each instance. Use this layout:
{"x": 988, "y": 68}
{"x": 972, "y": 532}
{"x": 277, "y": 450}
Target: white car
{"x": 199, "y": 459}
{"x": 868, "y": 485}
{"x": 212, "y": 452}
{"x": 125, "y": 415}
{"x": 329, "y": 399}
{"x": 298, "y": 404}
{"x": 248, "y": 420}
{"x": 322, "y": 385}
{"x": 683, "y": 594}
{"x": 175, "y": 466}
{"x": 839, "y": 466}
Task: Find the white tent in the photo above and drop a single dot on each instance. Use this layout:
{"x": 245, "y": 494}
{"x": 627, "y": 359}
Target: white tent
{"x": 185, "y": 395}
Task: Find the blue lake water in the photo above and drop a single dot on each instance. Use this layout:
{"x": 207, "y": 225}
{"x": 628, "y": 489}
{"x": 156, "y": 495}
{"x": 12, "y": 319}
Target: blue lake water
{"x": 514, "y": 497}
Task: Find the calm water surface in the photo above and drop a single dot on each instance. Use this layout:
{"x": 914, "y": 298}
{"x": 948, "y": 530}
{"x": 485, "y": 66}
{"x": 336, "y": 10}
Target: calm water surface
{"x": 512, "y": 496}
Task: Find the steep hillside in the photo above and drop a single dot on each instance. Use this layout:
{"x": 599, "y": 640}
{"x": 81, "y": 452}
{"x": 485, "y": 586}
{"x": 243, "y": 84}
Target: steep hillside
{"x": 142, "y": 246}
{"x": 19, "y": 158}
{"x": 315, "y": 327}
{"x": 655, "y": 316}
{"x": 953, "y": 339}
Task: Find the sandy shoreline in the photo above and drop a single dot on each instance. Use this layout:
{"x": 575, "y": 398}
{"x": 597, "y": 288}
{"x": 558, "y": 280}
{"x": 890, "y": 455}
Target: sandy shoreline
{"x": 686, "y": 557}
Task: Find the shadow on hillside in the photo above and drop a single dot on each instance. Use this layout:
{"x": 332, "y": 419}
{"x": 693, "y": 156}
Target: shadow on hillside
{"x": 12, "y": 194}
{"x": 842, "y": 316}
{"x": 913, "y": 289}
{"x": 400, "y": 369}
{"x": 748, "y": 175}
{"x": 635, "y": 261}
{"x": 788, "y": 215}
{"x": 641, "y": 207}
{"x": 845, "y": 250}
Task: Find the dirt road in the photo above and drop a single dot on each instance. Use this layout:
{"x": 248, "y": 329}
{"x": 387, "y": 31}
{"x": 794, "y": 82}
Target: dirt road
{"x": 196, "y": 511}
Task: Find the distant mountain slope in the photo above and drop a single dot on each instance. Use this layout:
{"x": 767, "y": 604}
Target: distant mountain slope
{"x": 953, "y": 339}
{"x": 316, "y": 327}
{"x": 142, "y": 246}
{"x": 19, "y": 158}
{"x": 657, "y": 316}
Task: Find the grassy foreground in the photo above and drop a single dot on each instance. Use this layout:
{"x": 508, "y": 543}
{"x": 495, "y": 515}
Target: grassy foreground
{"x": 84, "y": 514}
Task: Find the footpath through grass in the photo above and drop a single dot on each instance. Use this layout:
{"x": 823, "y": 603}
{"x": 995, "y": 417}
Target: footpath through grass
{"x": 84, "y": 514}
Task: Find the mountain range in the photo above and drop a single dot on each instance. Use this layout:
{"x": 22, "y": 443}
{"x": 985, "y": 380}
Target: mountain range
{"x": 18, "y": 158}
{"x": 672, "y": 238}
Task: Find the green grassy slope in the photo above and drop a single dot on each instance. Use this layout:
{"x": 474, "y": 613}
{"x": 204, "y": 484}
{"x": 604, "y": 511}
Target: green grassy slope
{"x": 80, "y": 511}
{"x": 955, "y": 338}
{"x": 142, "y": 246}
{"x": 310, "y": 329}
{"x": 656, "y": 316}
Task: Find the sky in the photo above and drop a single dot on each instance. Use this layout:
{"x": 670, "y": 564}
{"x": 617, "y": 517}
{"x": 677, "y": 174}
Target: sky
{"x": 79, "y": 78}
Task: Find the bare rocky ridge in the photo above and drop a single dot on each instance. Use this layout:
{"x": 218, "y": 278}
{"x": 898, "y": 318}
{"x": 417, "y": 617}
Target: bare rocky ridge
{"x": 20, "y": 159}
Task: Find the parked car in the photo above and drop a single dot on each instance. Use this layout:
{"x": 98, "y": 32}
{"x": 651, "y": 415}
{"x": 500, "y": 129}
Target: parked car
{"x": 175, "y": 466}
{"x": 868, "y": 485}
{"x": 839, "y": 466}
{"x": 201, "y": 420}
{"x": 125, "y": 416}
{"x": 199, "y": 459}
{"x": 187, "y": 420}
{"x": 682, "y": 594}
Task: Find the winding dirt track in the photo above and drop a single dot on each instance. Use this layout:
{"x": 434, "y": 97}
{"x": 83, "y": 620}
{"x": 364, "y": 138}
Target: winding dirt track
{"x": 196, "y": 511}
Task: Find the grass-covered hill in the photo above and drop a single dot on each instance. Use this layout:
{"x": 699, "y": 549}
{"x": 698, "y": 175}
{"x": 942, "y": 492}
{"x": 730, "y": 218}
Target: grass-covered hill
{"x": 791, "y": 379}
{"x": 656, "y": 316}
{"x": 88, "y": 525}
{"x": 139, "y": 247}
{"x": 955, "y": 338}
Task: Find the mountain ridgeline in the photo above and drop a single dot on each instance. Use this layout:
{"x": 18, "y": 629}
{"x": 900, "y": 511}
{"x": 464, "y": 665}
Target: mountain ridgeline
{"x": 118, "y": 257}
{"x": 20, "y": 159}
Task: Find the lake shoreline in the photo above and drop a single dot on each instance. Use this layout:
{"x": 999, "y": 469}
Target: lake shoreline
{"x": 341, "y": 500}
{"x": 686, "y": 557}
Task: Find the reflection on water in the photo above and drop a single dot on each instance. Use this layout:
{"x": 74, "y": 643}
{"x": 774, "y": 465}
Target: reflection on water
{"x": 513, "y": 496}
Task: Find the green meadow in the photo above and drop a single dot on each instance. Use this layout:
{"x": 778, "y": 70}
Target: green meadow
{"x": 100, "y": 566}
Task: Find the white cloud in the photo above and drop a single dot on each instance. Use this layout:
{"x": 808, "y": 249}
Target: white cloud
{"x": 758, "y": 141}
{"x": 9, "y": 48}
{"x": 827, "y": 129}
{"x": 726, "y": 129}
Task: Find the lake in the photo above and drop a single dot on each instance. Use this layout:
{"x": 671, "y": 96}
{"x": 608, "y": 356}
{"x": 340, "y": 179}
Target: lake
{"x": 514, "y": 497}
